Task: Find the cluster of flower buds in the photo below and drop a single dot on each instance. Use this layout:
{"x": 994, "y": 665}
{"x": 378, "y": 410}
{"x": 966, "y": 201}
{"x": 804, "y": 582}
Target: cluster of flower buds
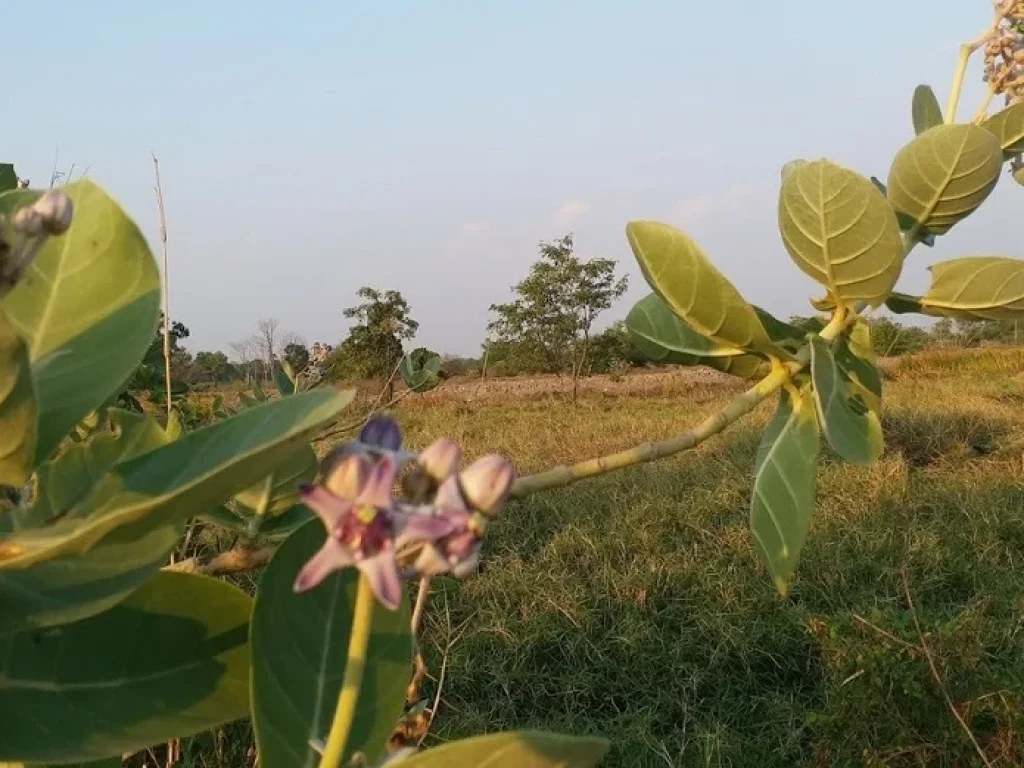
{"x": 1004, "y": 53}
{"x": 50, "y": 214}
{"x": 434, "y": 525}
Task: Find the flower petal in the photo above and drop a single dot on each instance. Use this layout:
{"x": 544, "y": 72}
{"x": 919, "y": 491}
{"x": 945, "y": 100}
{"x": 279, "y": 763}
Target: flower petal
{"x": 382, "y": 573}
{"x": 331, "y": 557}
{"x": 449, "y": 497}
{"x": 328, "y": 507}
{"x": 348, "y": 475}
{"x": 380, "y": 485}
{"x": 424, "y": 526}
{"x": 431, "y": 562}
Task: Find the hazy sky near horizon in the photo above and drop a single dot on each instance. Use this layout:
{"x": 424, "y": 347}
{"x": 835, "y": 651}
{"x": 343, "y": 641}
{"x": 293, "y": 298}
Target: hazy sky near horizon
{"x": 428, "y": 146}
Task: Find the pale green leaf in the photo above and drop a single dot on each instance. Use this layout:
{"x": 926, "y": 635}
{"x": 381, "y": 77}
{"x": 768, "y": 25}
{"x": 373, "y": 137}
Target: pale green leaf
{"x": 973, "y": 287}
{"x": 87, "y": 308}
{"x": 926, "y": 110}
{"x": 1008, "y": 127}
{"x": 170, "y": 660}
{"x": 282, "y": 525}
{"x": 284, "y": 377}
{"x": 944, "y": 174}
{"x": 420, "y": 379}
{"x": 840, "y": 231}
{"x": 301, "y": 641}
{"x": 857, "y": 359}
{"x": 17, "y": 408}
{"x": 662, "y": 337}
{"x": 179, "y": 480}
{"x": 850, "y": 426}
{"x": 679, "y": 272}
{"x": 521, "y": 749}
{"x": 785, "y": 475}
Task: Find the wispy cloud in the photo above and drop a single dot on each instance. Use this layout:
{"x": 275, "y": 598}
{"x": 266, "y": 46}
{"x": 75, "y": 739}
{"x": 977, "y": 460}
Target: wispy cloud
{"x": 712, "y": 204}
{"x": 471, "y": 228}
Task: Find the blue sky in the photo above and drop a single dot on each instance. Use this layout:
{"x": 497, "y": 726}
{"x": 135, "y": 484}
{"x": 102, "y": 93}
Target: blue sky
{"x": 428, "y": 146}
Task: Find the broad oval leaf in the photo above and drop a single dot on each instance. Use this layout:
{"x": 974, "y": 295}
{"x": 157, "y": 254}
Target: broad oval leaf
{"x": 785, "y": 475}
{"x": 679, "y": 272}
{"x": 925, "y": 109}
{"x": 944, "y": 174}
{"x": 840, "y": 231}
{"x": 87, "y": 308}
{"x": 301, "y": 641}
{"x": 664, "y": 338}
{"x": 856, "y": 357}
{"x": 17, "y": 408}
{"x": 1008, "y": 127}
{"x": 851, "y": 427}
{"x": 973, "y": 287}
{"x": 520, "y": 749}
{"x": 171, "y": 660}
{"x": 182, "y": 478}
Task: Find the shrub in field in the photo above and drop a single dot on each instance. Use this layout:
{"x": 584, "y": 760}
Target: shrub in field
{"x": 105, "y": 651}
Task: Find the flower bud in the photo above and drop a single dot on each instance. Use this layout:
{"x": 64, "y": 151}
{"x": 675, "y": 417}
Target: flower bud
{"x": 486, "y": 483}
{"x": 56, "y": 210}
{"x": 441, "y": 458}
{"x": 28, "y": 221}
{"x": 381, "y": 432}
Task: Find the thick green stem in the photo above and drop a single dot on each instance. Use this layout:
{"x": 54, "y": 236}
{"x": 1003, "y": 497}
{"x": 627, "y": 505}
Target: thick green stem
{"x": 362, "y": 619}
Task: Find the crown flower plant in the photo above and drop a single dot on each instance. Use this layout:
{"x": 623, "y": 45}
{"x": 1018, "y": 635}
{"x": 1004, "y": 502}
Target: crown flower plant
{"x": 96, "y": 499}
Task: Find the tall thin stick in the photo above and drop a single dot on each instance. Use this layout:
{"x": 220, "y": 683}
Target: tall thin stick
{"x": 167, "y": 290}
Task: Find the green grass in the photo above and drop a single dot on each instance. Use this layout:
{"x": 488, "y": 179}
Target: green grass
{"x": 633, "y": 605}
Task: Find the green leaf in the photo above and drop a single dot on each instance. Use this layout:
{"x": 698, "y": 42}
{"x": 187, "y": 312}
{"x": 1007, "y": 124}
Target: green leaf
{"x": 302, "y": 641}
{"x": 922, "y": 235}
{"x": 257, "y": 392}
{"x": 87, "y": 309}
{"x": 522, "y": 749}
{"x": 17, "y": 408}
{"x": 680, "y": 273}
{"x": 8, "y": 178}
{"x": 420, "y": 379}
{"x": 784, "y": 480}
{"x": 1008, "y": 127}
{"x": 178, "y": 480}
{"x": 282, "y": 525}
{"x": 284, "y": 378}
{"x": 65, "y": 589}
{"x": 279, "y": 491}
{"x": 973, "y": 287}
{"x": 224, "y": 517}
{"x": 787, "y": 336}
{"x": 856, "y": 357}
{"x": 171, "y": 660}
{"x": 926, "y": 110}
{"x": 65, "y": 481}
{"x": 841, "y": 231}
{"x": 664, "y": 338}
{"x": 944, "y": 174}
{"x": 850, "y": 426}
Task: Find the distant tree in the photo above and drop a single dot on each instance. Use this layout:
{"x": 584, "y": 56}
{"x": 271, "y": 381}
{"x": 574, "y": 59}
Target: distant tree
{"x": 612, "y": 349}
{"x": 891, "y": 339}
{"x": 373, "y": 346}
{"x": 150, "y": 373}
{"x": 456, "y": 365}
{"x": 555, "y": 308}
{"x": 297, "y": 356}
{"x": 214, "y": 366}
